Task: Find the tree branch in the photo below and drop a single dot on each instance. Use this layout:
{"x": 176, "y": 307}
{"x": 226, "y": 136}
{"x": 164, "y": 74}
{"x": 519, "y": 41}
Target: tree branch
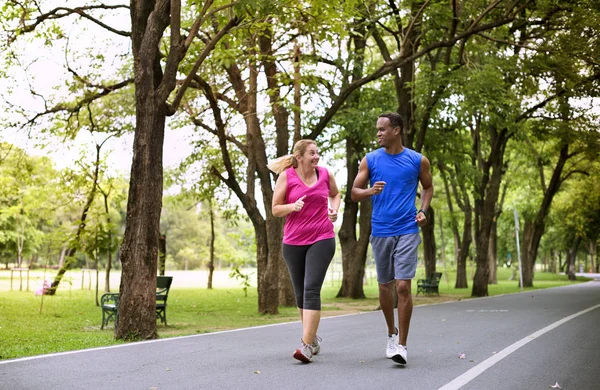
{"x": 62, "y": 12}
{"x": 390, "y": 66}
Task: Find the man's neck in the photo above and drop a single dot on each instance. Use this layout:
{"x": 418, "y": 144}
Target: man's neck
{"x": 396, "y": 148}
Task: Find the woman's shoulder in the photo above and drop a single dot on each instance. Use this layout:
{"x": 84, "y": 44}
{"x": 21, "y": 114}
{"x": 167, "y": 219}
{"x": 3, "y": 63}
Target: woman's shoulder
{"x": 322, "y": 170}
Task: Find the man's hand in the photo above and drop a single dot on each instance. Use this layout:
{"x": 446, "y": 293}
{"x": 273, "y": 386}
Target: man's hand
{"x": 421, "y": 218}
{"x": 377, "y": 187}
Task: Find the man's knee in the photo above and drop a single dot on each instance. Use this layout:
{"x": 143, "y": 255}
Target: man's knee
{"x": 403, "y": 288}
{"x": 386, "y": 287}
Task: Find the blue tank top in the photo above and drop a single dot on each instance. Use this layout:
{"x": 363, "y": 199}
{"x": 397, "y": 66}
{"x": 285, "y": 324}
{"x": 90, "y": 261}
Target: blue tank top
{"x": 394, "y": 210}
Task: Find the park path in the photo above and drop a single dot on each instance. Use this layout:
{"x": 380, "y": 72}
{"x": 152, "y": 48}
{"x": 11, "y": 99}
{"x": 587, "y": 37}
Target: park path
{"x": 530, "y": 340}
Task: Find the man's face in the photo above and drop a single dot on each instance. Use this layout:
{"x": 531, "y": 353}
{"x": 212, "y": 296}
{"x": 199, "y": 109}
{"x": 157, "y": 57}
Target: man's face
{"x": 386, "y": 133}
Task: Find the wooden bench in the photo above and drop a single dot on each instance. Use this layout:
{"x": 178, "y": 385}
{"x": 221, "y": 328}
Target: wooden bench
{"x": 109, "y": 302}
{"x": 429, "y": 285}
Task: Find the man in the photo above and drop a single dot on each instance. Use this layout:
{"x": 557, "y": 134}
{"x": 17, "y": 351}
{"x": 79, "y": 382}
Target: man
{"x": 394, "y": 173}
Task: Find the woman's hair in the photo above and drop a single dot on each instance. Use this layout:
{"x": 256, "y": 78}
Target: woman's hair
{"x": 284, "y": 162}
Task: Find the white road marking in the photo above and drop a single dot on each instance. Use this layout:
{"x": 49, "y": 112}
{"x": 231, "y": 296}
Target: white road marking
{"x": 481, "y": 367}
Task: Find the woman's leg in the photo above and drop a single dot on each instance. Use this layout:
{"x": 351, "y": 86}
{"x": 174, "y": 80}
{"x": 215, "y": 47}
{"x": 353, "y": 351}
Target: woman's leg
{"x": 295, "y": 259}
{"x": 318, "y": 258}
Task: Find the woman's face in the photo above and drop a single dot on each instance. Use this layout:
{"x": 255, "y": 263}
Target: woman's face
{"x": 310, "y": 158}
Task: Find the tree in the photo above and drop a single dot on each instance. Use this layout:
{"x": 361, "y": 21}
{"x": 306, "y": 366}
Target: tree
{"x": 153, "y": 87}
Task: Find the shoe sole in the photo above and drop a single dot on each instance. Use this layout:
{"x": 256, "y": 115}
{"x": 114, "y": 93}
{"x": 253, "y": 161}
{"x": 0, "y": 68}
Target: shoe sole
{"x": 398, "y": 359}
{"x": 300, "y": 356}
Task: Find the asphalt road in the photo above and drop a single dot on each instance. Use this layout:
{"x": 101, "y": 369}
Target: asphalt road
{"x": 531, "y": 340}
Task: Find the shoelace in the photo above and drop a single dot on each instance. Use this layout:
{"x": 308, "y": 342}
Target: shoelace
{"x": 317, "y": 340}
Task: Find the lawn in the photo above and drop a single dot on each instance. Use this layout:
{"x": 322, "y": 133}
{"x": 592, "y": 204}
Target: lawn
{"x": 70, "y": 320}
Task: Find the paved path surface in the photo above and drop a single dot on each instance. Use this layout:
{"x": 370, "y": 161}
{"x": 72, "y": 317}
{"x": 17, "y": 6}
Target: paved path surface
{"x": 530, "y": 340}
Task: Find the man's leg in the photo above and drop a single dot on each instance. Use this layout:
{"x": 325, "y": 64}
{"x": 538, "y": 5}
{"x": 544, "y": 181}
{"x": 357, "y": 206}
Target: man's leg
{"x": 405, "y": 308}
{"x": 386, "y": 302}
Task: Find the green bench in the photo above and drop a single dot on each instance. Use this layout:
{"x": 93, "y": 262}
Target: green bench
{"x": 109, "y": 302}
{"x": 430, "y": 285}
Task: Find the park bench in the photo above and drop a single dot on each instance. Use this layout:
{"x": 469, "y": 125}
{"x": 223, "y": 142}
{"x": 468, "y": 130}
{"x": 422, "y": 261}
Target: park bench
{"x": 109, "y": 302}
{"x": 429, "y": 285}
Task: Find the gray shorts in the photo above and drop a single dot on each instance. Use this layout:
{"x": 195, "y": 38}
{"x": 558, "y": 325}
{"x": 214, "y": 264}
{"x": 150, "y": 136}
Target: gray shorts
{"x": 395, "y": 257}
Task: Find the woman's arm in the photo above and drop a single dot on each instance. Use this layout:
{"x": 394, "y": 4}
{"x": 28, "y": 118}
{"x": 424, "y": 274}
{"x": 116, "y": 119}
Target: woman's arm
{"x": 335, "y": 199}
{"x": 278, "y": 206}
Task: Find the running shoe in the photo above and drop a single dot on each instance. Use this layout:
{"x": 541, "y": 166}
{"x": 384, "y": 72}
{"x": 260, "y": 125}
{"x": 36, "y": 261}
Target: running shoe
{"x": 401, "y": 356}
{"x": 304, "y": 353}
{"x": 392, "y": 345}
{"x": 316, "y": 345}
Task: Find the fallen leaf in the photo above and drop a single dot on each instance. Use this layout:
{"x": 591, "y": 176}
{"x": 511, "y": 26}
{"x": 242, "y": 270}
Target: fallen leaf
{"x": 168, "y": 369}
{"x": 556, "y": 386}
{"x": 257, "y": 372}
{"x": 361, "y": 361}
{"x": 461, "y": 356}
{"x": 472, "y": 361}
{"x": 493, "y": 353}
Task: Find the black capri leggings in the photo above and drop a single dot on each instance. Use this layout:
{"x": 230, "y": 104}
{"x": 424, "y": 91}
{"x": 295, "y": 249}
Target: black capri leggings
{"x": 308, "y": 265}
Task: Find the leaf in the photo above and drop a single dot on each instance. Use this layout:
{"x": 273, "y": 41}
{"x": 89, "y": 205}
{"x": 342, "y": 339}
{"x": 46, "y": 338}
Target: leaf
{"x": 461, "y": 356}
{"x": 257, "y": 372}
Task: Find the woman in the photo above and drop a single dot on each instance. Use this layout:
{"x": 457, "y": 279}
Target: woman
{"x": 308, "y": 197}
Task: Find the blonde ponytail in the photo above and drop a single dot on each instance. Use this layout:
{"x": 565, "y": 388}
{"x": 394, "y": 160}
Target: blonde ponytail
{"x": 282, "y": 163}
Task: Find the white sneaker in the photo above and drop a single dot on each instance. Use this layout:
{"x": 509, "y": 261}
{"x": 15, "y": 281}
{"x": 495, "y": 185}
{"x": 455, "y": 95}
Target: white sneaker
{"x": 316, "y": 345}
{"x": 401, "y": 356}
{"x": 392, "y": 345}
{"x": 304, "y": 353}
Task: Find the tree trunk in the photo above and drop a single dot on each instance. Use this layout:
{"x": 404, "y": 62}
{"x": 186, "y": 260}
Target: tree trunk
{"x": 268, "y": 262}
{"x": 492, "y": 253}
{"x": 461, "y": 247}
{"x": 281, "y": 115}
{"x": 553, "y": 261}
{"x": 534, "y": 230}
{"x": 354, "y": 247}
{"x": 429, "y": 246}
{"x": 571, "y": 257}
{"x": 211, "y": 260}
{"x": 354, "y": 251}
{"x": 162, "y": 254}
{"x": 593, "y": 246}
{"x": 463, "y": 253}
{"x": 108, "y": 268}
{"x": 488, "y": 192}
{"x": 139, "y": 251}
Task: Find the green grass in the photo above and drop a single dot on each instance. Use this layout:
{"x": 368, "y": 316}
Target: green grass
{"x": 70, "y": 320}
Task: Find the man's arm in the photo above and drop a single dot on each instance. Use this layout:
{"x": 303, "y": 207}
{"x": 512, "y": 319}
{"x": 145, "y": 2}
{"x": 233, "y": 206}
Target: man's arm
{"x": 359, "y": 192}
{"x": 426, "y": 191}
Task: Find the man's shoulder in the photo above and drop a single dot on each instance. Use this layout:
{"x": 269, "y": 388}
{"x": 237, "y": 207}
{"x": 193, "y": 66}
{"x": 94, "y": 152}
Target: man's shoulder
{"x": 375, "y": 152}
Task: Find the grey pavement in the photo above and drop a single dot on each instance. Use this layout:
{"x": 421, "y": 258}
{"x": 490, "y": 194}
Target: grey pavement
{"x": 486, "y": 343}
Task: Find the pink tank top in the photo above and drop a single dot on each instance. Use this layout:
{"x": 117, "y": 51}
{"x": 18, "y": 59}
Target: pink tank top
{"x": 310, "y": 224}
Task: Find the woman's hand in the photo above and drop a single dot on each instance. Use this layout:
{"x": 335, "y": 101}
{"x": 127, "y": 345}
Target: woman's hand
{"x": 299, "y": 204}
{"x": 332, "y": 214}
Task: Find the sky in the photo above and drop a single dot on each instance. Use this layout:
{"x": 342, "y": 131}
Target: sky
{"x": 42, "y": 69}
